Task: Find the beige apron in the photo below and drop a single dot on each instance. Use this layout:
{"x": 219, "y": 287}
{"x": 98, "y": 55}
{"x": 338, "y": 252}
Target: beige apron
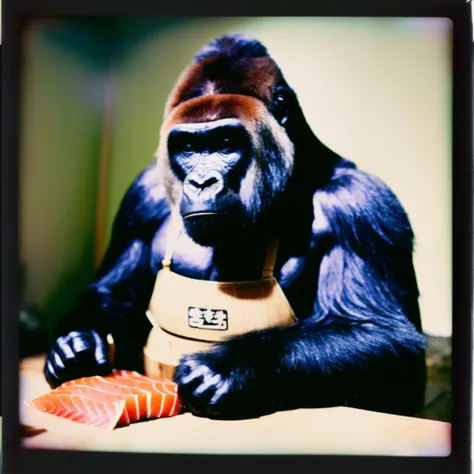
{"x": 188, "y": 315}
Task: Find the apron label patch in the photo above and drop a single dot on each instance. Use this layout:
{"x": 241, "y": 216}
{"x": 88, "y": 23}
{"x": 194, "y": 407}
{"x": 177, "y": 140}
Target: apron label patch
{"x": 201, "y": 318}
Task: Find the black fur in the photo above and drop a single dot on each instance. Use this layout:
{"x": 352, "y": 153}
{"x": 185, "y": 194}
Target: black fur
{"x": 348, "y": 275}
{"x": 234, "y": 47}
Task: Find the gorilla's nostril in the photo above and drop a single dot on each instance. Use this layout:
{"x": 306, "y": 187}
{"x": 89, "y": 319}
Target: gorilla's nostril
{"x": 209, "y": 182}
{"x": 193, "y": 183}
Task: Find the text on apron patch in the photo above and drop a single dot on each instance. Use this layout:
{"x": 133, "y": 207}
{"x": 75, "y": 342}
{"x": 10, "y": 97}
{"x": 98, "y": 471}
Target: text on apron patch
{"x": 202, "y": 318}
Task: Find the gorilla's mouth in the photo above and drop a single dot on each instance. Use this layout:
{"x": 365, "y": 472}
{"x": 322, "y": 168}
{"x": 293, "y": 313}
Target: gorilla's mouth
{"x": 191, "y": 215}
{"x": 213, "y": 228}
{"x": 225, "y": 204}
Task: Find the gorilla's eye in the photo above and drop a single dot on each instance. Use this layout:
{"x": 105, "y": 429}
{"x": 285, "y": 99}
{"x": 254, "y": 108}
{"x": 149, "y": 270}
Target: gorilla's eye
{"x": 280, "y": 97}
{"x": 180, "y": 143}
{"x": 226, "y": 146}
{"x": 186, "y": 149}
{"x": 281, "y": 104}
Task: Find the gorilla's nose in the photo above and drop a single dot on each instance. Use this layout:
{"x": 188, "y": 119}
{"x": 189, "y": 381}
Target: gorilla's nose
{"x": 202, "y": 183}
{"x": 203, "y": 187}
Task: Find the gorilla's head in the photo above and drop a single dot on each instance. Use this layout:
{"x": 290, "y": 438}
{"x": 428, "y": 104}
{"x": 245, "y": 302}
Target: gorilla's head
{"x": 226, "y": 148}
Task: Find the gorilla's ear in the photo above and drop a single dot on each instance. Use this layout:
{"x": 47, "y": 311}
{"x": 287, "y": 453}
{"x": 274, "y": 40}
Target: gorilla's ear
{"x": 282, "y": 99}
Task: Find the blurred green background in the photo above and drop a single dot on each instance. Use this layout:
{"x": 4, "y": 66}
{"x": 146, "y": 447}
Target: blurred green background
{"x": 378, "y": 91}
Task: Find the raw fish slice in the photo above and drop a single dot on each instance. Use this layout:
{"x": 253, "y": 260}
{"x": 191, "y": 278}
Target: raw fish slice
{"x": 81, "y": 409}
{"x": 93, "y": 400}
{"x": 144, "y": 378}
{"x": 123, "y": 385}
{"x": 163, "y": 391}
{"x": 157, "y": 397}
{"x": 160, "y": 403}
{"x": 164, "y": 394}
{"x": 133, "y": 407}
{"x": 168, "y": 385}
{"x": 137, "y": 401}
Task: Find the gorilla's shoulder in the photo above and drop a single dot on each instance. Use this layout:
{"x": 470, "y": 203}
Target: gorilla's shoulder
{"x": 362, "y": 207}
{"x": 145, "y": 204}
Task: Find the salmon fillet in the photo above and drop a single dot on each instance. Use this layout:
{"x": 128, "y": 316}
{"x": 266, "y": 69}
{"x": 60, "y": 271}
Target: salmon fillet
{"x": 119, "y": 399}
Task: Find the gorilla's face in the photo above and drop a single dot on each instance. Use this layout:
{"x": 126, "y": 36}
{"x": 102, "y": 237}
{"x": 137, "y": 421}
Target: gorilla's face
{"x": 210, "y": 160}
{"x": 224, "y": 149}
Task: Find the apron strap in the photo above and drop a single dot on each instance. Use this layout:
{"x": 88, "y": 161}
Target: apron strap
{"x": 176, "y": 227}
{"x": 172, "y": 239}
{"x": 270, "y": 259}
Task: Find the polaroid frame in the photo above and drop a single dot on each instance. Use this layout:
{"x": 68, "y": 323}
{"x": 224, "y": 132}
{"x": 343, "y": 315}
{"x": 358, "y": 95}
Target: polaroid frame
{"x": 20, "y": 460}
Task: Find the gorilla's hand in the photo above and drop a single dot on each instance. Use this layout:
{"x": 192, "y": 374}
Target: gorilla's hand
{"x": 226, "y": 382}
{"x": 77, "y": 354}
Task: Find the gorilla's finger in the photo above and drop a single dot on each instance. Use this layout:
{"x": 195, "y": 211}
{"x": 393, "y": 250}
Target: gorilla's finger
{"x": 74, "y": 334}
{"x": 183, "y": 369}
{"x": 58, "y": 362}
{"x": 68, "y": 360}
{"x": 224, "y": 388}
{"x": 64, "y": 369}
{"x": 70, "y": 355}
{"x": 204, "y": 393}
{"x": 197, "y": 371}
{"x": 82, "y": 344}
{"x": 187, "y": 384}
{"x": 210, "y": 382}
{"x": 62, "y": 346}
{"x": 101, "y": 350}
{"x": 50, "y": 374}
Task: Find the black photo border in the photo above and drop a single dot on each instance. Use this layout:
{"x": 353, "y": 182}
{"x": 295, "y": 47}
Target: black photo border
{"x": 18, "y": 460}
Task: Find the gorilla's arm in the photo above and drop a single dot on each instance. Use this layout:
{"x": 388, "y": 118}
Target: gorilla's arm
{"x": 363, "y": 339}
{"x": 117, "y": 300}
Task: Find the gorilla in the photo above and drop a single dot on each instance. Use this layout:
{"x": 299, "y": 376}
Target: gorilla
{"x": 238, "y": 166}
